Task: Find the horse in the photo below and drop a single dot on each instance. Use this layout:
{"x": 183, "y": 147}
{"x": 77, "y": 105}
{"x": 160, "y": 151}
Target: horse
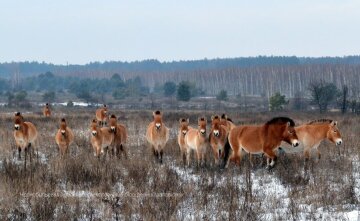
{"x": 100, "y": 138}
{"x": 313, "y": 133}
{"x": 120, "y": 135}
{"x": 217, "y": 137}
{"x": 101, "y": 115}
{"x": 157, "y": 134}
{"x": 261, "y": 139}
{"x": 183, "y": 129}
{"x": 195, "y": 139}
{"x": 25, "y": 134}
{"x": 46, "y": 110}
{"x": 64, "y": 138}
{"x": 227, "y": 122}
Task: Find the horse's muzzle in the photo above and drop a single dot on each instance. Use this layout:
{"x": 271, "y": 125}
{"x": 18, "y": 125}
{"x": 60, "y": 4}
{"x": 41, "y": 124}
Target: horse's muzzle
{"x": 113, "y": 129}
{"x": 339, "y": 142}
{"x": 295, "y": 143}
{"x": 16, "y": 127}
{"x": 203, "y": 132}
{"x": 216, "y": 133}
{"x": 94, "y": 133}
{"x": 184, "y": 132}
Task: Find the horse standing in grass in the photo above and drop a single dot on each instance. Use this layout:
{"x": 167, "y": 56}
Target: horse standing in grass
{"x": 46, "y": 110}
{"x": 25, "y": 134}
{"x": 195, "y": 139}
{"x": 183, "y": 129}
{"x": 313, "y": 133}
{"x": 120, "y": 135}
{"x": 100, "y": 138}
{"x": 262, "y": 139}
{"x": 64, "y": 137}
{"x": 101, "y": 115}
{"x": 157, "y": 134}
{"x": 218, "y": 137}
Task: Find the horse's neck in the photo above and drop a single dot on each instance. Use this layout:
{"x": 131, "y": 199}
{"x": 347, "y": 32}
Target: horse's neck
{"x": 24, "y": 129}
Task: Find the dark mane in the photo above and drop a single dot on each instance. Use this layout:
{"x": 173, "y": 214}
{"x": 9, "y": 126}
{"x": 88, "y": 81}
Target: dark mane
{"x": 157, "y": 112}
{"x": 17, "y": 114}
{"x": 223, "y": 116}
{"x": 183, "y": 120}
{"x": 63, "y": 120}
{"x": 216, "y": 117}
{"x": 320, "y": 121}
{"x": 281, "y": 120}
{"x": 202, "y": 119}
{"x": 228, "y": 119}
{"x": 113, "y": 116}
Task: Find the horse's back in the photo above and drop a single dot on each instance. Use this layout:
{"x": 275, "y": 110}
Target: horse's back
{"x": 247, "y": 137}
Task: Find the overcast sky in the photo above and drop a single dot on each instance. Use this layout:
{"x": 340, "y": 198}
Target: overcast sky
{"x": 81, "y": 31}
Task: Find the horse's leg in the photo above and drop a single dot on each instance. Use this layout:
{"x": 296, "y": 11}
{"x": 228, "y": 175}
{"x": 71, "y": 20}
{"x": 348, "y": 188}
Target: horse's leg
{"x": 161, "y": 155}
{"x": 250, "y": 159}
{"x": 317, "y": 150}
{"x": 19, "y": 155}
{"x": 198, "y": 155}
{"x": 188, "y": 157}
{"x": 270, "y": 154}
{"x": 123, "y": 149}
{"x": 307, "y": 153}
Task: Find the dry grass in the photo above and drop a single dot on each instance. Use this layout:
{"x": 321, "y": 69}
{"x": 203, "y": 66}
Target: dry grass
{"x": 138, "y": 188}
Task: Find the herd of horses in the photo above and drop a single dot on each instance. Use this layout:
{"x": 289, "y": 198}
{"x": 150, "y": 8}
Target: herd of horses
{"x": 227, "y": 141}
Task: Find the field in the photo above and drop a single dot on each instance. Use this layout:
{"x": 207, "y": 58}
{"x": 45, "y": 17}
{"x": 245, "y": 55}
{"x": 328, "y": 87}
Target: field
{"x": 136, "y": 187}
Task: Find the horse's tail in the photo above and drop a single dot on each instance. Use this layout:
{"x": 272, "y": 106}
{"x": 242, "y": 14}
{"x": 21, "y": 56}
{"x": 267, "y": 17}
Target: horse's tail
{"x": 227, "y": 149}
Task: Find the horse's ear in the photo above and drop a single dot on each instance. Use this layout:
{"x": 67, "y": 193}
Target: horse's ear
{"x": 288, "y": 123}
{"x": 17, "y": 114}
{"x": 334, "y": 123}
{"x": 181, "y": 120}
{"x": 223, "y": 116}
{"x": 212, "y": 117}
{"x": 94, "y": 121}
{"x": 104, "y": 105}
{"x": 187, "y": 120}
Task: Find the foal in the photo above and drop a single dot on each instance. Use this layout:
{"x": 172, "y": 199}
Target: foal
{"x": 195, "y": 139}
{"x": 217, "y": 138}
{"x": 157, "y": 134}
{"x": 64, "y": 137}
{"x": 262, "y": 139}
{"x": 101, "y": 115}
{"x": 120, "y": 135}
{"x": 46, "y": 110}
{"x": 100, "y": 138}
{"x": 25, "y": 134}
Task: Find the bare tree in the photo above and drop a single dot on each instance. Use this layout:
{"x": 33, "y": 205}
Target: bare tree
{"x": 322, "y": 94}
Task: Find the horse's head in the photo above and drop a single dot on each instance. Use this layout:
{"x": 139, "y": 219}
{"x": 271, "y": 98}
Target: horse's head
{"x": 105, "y": 109}
{"x": 63, "y": 126}
{"x": 215, "y": 125}
{"x": 202, "y": 126}
{"x": 184, "y": 125}
{"x": 157, "y": 119}
{"x": 289, "y": 134}
{"x": 93, "y": 127}
{"x": 333, "y": 133}
{"x": 18, "y": 121}
{"x": 113, "y": 123}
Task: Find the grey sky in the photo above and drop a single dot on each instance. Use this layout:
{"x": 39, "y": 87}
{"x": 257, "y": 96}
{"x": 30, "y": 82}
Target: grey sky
{"x": 82, "y": 31}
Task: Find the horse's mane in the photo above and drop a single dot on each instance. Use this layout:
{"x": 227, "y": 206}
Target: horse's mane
{"x": 223, "y": 116}
{"x": 320, "y": 121}
{"x": 183, "y": 120}
{"x": 281, "y": 120}
{"x": 63, "y": 120}
{"x": 113, "y": 116}
{"x": 157, "y": 112}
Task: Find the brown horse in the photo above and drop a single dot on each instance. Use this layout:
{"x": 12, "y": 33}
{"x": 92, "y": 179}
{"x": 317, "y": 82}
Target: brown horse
{"x": 64, "y": 137}
{"x": 101, "y": 115}
{"x": 313, "y": 133}
{"x": 46, "y": 110}
{"x": 262, "y": 139}
{"x": 157, "y": 134}
{"x": 183, "y": 129}
{"x": 195, "y": 139}
{"x": 100, "y": 138}
{"x": 120, "y": 135}
{"x": 217, "y": 137}
{"x": 25, "y": 134}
